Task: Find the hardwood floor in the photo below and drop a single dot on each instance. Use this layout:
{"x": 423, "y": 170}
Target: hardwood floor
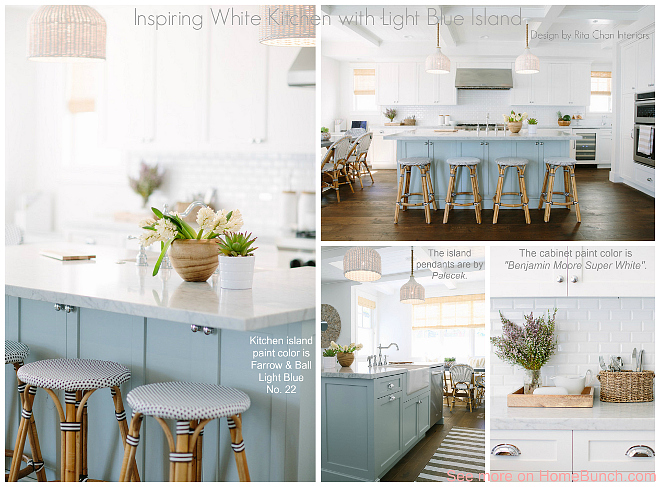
{"x": 609, "y": 212}
{"x": 410, "y": 466}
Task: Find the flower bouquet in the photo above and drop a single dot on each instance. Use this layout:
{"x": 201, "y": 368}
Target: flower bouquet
{"x": 345, "y": 353}
{"x": 514, "y": 121}
{"x": 148, "y": 181}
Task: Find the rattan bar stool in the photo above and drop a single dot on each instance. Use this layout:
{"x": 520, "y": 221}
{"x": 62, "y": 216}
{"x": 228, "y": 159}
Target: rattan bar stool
{"x": 471, "y": 164}
{"x": 15, "y": 354}
{"x": 403, "y": 194}
{"x": 570, "y": 188}
{"x": 193, "y": 405}
{"x": 520, "y": 164}
{"x": 358, "y": 159}
{"x": 335, "y": 165}
{"x": 79, "y": 378}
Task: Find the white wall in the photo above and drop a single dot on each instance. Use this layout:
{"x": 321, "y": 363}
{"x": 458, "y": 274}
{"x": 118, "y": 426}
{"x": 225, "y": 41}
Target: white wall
{"x": 338, "y": 295}
{"x": 330, "y": 98}
{"x": 395, "y": 325}
{"x": 585, "y": 328}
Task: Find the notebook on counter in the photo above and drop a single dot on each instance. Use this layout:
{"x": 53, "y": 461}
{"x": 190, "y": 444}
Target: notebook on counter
{"x": 66, "y": 256}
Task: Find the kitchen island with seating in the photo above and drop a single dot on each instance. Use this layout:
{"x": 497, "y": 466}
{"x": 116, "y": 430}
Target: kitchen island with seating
{"x": 109, "y": 308}
{"x": 487, "y": 147}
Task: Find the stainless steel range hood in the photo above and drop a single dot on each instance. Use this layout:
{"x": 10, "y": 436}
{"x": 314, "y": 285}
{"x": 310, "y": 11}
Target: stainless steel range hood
{"x": 483, "y": 79}
{"x": 302, "y": 72}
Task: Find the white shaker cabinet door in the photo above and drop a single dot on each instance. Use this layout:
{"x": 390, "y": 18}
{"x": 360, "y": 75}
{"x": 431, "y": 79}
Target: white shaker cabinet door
{"x": 540, "y": 93}
{"x": 536, "y": 476}
{"x": 427, "y": 86}
{"x": 407, "y": 84}
{"x": 580, "y": 84}
{"x": 607, "y": 451}
{"x": 387, "y": 84}
{"x": 646, "y": 66}
{"x": 531, "y": 450}
{"x": 629, "y": 68}
{"x": 612, "y": 271}
{"x": 238, "y": 71}
{"x": 560, "y": 84}
{"x": 517, "y": 273}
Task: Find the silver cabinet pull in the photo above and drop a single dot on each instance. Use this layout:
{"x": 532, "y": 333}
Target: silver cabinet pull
{"x": 69, "y": 309}
{"x": 195, "y": 328}
{"x": 58, "y": 307}
{"x": 640, "y": 451}
{"x": 392, "y": 398}
{"x": 504, "y": 449}
{"x": 574, "y": 279}
{"x": 560, "y": 279}
{"x": 419, "y": 402}
{"x": 390, "y": 386}
{"x": 649, "y": 179}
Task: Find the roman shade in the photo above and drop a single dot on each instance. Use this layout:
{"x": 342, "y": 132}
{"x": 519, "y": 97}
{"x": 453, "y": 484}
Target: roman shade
{"x": 366, "y": 303}
{"x": 601, "y": 83}
{"x": 364, "y": 81}
{"x": 467, "y": 311}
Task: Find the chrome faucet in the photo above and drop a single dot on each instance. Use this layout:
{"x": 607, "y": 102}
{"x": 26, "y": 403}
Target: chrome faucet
{"x": 487, "y": 119}
{"x": 141, "y": 258}
{"x": 380, "y": 357}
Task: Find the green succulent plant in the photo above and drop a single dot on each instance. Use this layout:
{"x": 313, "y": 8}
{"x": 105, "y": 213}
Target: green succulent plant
{"x": 236, "y": 244}
{"x": 567, "y": 118}
{"x": 325, "y": 130}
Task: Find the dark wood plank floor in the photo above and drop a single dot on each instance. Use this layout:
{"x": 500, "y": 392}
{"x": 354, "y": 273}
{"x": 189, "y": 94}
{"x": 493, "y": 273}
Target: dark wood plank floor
{"x": 411, "y": 465}
{"x": 609, "y": 212}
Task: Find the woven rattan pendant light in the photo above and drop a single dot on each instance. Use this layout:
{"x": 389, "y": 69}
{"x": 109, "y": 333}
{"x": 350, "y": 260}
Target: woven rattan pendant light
{"x": 59, "y": 33}
{"x": 288, "y": 25}
{"x": 527, "y": 63}
{"x": 362, "y": 264}
{"x": 437, "y": 63}
{"x": 412, "y": 292}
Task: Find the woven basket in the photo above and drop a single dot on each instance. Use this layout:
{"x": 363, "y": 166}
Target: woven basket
{"x": 409, "y": 121}
{"x": 626, "y": 386}
{"x": 564, "y": 123}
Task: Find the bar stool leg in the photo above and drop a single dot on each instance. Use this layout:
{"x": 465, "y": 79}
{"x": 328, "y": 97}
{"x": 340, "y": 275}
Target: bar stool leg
{"x": 366, "y": 166}
{"x": 235, "y": 429}
{"x": 348, "y": 180}
{"x": 335, "y": 183}
{"x": 575, "y": 195}
{"x": 406, "y": 188}
{"x": 551, "y": 182}
{"x": 450, "y": 190}
{"x": 120, "y": 415}
{"x": 523, "y": 193}
{"x": 498, "y": 192}
{"x": 399, "y": 194}
{"x": 357, "y": 170}
{"x": 181, "y": 457}
{"x": 26, "y": 415}
{"x": 429, "y": 179}
{"x": 567, "y": 190}
{"x": 425, "y": 194}
{"x": 476, "y": 197}
{"x": 130, "y": 447}
{"x": 544, "y": 186}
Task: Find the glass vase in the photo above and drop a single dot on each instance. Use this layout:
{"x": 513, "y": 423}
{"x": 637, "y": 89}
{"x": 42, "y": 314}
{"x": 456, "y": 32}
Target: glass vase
{"x": 532, "y": 380}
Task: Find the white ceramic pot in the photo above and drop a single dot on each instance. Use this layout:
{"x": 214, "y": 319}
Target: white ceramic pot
{"x": 236, "y": 272}
{"x": 329, "y": 362}
{"x": 574, "y": 384}
{"x": 531, "y": 129}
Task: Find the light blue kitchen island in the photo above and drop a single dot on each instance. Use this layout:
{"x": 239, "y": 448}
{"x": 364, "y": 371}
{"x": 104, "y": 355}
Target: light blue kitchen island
{"x": 439, "y": 146}
{"x": 114, "y": 310}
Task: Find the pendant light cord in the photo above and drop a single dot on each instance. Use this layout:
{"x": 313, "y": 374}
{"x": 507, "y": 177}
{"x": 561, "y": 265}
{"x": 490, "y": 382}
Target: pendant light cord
{"x": 526, "y": 36}
{"x": 438, "y": 35}
{"x": 411, "y": 261}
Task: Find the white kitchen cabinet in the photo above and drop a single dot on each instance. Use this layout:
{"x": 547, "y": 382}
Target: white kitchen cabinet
{"x": 383, "y": 151}
{"x": 570, "y": 84}
{"x": 606, "y": 451}
{"x": 629, "y": 68}
{"x": 396, "y": 84}
{"x": 237, "y": 111}
{"x": 522, "y": 88}
{"x": 436, "y": 89}
{"x": 604, "y": 147}
{"x": 532, "y": 89}
{"x": 552, "y": 272}
{"x": 127, "y": 108}
{"x": 528, "y": 451}
{"x": 646, "y": 64}
{"x": 626, "y": 162}
{"x": 644, "y": 176}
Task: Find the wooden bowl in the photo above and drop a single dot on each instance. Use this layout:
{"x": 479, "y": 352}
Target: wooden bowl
{"x": 564, "y": 123}
{"x": 345, "y": 359}
{"x": 194, "y": 260}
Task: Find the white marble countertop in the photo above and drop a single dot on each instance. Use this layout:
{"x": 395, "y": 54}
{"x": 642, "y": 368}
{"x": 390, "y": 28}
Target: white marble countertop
{"x": 112, "y": 282}
{"x": 491, "y": 136}
{"x": 603, "y": 416}
{"x": 361, "y": 370}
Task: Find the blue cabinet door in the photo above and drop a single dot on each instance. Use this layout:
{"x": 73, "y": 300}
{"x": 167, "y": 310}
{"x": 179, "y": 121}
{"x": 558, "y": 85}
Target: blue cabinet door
{"x": 555, "y": 149}
{"x": 534, "y": 171}
{"x": 423, "y": 414}
{"x": 463, "y": 183}
{"x": 494, "y": 151}
{"x": 409, "y": 426}
{"x": 387, "y": 431}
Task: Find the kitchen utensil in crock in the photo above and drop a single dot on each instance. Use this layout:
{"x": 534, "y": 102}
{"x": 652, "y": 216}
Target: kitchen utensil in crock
{"x": 633, "y": 363}
{"x": 640, "y": 361}
{"x": 601, "y": 361}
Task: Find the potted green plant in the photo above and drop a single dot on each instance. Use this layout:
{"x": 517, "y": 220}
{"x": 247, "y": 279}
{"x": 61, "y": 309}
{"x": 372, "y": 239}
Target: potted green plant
{"x": 563, "y": 120}
{"x": 325, "y": 133}
{"x": 514, "y": 121}
{"x": 531, "y": 126}
{"x": 449, "y": 361}
{"x": 529, "y": 346}
{"x": 390, "y": 113}
{"x": 236, "y": 260}
{"x": 329, "y": 358}
{"x": 148, "y": 181}
{"x": 194, "y": 254}
{"x": 344, "y": 353}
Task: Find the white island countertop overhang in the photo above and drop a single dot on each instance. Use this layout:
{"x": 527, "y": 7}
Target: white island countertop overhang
{"x": 110, "y": 283}
{"x": 472, "y": 135}
{"x": 605, "y": 416}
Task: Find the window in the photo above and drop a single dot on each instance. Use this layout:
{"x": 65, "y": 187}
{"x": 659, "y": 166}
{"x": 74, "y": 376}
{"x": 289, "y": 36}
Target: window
{"x": 601, "y": 92}
{"x": 364, "y": 90}
{"x": 366, "y": 310}
{"x": 451, "y": 326}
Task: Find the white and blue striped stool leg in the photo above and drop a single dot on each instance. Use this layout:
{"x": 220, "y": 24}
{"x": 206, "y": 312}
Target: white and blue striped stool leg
{"x": 130, "y": 447}
{"x": 238, "y": 445}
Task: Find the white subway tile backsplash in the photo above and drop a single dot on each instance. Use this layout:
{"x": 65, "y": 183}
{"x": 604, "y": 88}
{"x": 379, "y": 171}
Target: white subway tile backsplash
{"x": 585, "y": 329}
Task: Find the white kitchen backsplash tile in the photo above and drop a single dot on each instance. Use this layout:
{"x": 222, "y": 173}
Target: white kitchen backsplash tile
{"x": 251, "y": 182}
{"x": 585, "y": 329}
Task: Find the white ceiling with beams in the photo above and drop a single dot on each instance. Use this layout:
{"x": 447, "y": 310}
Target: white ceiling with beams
{"x": 484, "y": 30}
{"x": 396, "y": 268}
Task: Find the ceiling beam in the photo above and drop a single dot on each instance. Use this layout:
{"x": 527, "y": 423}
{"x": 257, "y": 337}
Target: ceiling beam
{"x": 361, "y": 32}
{"x": 551, "y": 14}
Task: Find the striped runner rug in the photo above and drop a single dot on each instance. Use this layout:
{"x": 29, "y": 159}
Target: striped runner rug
{"x": 461, "y": 452}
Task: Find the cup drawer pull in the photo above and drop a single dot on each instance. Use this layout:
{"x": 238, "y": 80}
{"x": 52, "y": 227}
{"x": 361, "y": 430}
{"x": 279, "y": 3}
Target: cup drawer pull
{"x": 505, "y": 449}
{"x": 640, "y": 451}
{"x": 392, "y": 398}
{"x": 390, "y": 386}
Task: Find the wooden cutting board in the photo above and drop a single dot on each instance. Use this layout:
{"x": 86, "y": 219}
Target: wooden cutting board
{"x": 66, "y": 256}
{"x": 521, "y": 400}
{"x": 445, "y": 130}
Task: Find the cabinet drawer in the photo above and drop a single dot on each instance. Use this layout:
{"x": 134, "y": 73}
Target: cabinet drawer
{"x": 605, "y": 451}
{"x": 538, "y": 476}
{"x": 645, "y": 176}
{"x": 538, "y": 450}
{"x": 389, "y": 385}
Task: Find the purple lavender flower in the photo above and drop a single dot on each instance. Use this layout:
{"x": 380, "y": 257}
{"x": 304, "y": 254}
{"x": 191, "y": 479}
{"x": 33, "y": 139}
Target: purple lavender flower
{"x": 148, "y": 181}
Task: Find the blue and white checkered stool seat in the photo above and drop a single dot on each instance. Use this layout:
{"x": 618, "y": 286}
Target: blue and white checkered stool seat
{"x": 415, "y": 161}
{"x": 512, "y": 161}
{"x": 463, "y": 161}
{"x": 560, "y": 161}
{"x": 187, "y": 400}
{"x": 73, "y": 374}
{"x": 15, "y": 352}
